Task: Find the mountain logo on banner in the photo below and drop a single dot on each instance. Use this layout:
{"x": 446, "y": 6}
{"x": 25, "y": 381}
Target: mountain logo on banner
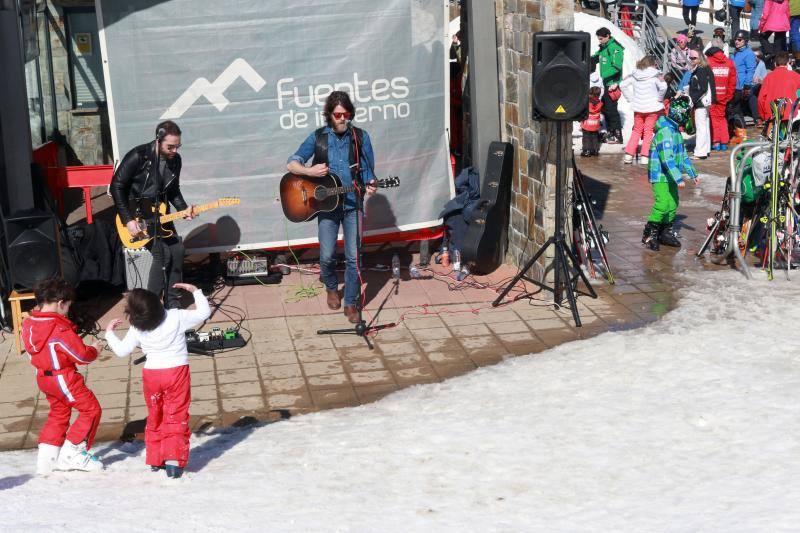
{"x": 214, "y": 91}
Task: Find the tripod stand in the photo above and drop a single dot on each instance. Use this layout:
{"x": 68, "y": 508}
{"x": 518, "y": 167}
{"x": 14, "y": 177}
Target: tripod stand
{"x": 362, "y": 328}
{"x": 562, "y": 251}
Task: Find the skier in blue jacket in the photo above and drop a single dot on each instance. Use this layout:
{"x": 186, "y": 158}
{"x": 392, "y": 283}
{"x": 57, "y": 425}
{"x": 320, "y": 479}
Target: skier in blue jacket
{"x": 745, "y": 61}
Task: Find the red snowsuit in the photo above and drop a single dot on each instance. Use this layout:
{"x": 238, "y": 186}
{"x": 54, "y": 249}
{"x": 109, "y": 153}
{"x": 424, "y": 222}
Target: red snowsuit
{"x": 55, "y": 348}
{"x": 725, "y": 81}
{"x": 780, "y": 83}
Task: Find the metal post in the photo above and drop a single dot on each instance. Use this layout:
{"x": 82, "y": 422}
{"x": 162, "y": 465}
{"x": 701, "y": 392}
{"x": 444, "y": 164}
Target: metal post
{"x": 16, "y": 136}
{"x": 484, "y": 89}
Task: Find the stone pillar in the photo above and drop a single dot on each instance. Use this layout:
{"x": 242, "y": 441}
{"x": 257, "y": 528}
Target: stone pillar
{"x": 533, "y": 199}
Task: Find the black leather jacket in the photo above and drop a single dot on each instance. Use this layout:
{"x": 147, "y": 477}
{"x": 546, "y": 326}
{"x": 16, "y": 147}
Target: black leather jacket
{"x": 136, "y": 178}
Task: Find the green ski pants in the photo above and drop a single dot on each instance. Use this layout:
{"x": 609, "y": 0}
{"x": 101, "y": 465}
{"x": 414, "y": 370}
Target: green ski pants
{"x": 665, "y": 202}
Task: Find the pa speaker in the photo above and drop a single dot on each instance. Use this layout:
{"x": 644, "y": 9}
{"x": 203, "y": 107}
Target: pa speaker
{"x": 560, "y": 75}
{"x": 32, "y": 248}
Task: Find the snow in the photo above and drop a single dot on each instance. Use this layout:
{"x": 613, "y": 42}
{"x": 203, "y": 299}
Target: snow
{"x": 689, "y": 424}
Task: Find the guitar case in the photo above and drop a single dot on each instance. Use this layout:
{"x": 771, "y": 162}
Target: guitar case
{"x": 486, "y": 239}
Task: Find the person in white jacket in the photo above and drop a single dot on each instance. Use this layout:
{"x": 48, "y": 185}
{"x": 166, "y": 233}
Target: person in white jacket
{"x": 644, "y": 89}
{"x": 166, "y": 383}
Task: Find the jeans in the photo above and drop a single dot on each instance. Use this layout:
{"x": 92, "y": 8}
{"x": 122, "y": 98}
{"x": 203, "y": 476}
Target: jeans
{"x": 168, "y": 252}
{"x": 794, "y": 33}
{"x": 690, "y": 15}
{"x": 778, "y": 42}
{"x": 756, "y": 7}
{"x": 327, "y": 232}
{"x": 734, "y": 13}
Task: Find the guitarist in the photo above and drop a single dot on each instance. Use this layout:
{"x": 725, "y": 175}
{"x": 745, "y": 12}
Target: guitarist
{"x": 138, "y": 184}
{"x": 338, "y": 148}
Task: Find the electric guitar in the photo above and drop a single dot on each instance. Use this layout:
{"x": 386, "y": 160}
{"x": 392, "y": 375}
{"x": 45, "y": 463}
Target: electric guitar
{"x": 303, "y": 197}
{"x": 147, "y": 222}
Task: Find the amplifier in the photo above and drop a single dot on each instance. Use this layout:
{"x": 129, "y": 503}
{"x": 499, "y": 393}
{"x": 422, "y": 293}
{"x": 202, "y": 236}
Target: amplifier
{"x": 137, "y": 267}
{"x": 247, "y": 266}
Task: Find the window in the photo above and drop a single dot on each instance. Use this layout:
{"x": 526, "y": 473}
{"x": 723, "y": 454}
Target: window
{"x": 85, "y": 64}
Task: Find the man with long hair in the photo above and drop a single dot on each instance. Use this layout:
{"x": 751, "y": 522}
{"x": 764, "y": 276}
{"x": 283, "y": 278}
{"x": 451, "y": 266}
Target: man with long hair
{"x": 346, "y": 151}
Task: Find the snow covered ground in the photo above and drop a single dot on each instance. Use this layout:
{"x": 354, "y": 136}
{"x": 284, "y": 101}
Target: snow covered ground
{"x": 690, "y": 424}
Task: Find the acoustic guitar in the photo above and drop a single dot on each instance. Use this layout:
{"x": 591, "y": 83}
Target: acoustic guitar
{"x": 303, "y": 197}
{"x": 148, "y": 223}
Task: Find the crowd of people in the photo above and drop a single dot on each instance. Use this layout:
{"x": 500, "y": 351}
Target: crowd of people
{"x": 728, "y": 85}
{"x": 698, "y": 98}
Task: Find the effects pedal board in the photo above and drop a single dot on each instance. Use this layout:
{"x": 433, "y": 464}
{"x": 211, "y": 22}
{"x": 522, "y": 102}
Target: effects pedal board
{"x": 204, "y": 343}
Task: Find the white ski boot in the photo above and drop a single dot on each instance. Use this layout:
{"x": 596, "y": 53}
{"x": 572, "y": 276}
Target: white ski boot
{"x": 47, "y": 459}
{"x": 77, "y": 457}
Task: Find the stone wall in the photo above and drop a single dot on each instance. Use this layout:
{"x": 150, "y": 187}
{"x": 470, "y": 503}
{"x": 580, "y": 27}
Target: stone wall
{"x": 533, "y": 186}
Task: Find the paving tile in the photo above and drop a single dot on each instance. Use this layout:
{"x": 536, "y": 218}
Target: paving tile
{"x": 281, "y": 372}
{"x": 450, "y": 370}
{"x": 109, "y": 401}
{"x": 472, "y": 330}
{"x": 360, "y": 352}
{"x": 106, "y": 373}
{"x": 289, "y": 401}
{"x": 404, "y": 361}
{"x": 448, "y": 357}
{"x": 110, "y": 386}
{"x": 324, "y": 368}
{"x": 319, "y": 342}
{"x": 14, "y": 424}
{"x": 240, "y": 390}
{"x": 238, "y": 375}
{"x": 274, "y": 386}
{"x": 233, "y": 363}
{"x": 204, "y": 407}
{"x": 317, "y": 356}
{"x": 502, "y": 328}
{"x": 364, "y": 365}
{"x": 204, "y": 392}
{"x": 203, "y": 378}
{"x": 201, "y": 364}
{"x": 372, "y": 393}
{"x": 431, "y": 334}
{"x": 340, "y": 397}
{"x": 249, "y": 403}
{"x": 270, "y": 358}
{"x": 420, "y": 374}
{"x": 377, "y": 377}
{"x": 327, "y": 381}
{"x": 398, "y": 348}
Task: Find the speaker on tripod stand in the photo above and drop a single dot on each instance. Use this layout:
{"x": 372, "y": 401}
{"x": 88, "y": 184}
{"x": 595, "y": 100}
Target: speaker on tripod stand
{"x": 561, "y": 95}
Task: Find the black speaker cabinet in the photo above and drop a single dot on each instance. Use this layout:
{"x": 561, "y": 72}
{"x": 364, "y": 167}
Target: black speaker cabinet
{"x": 32, "y": 248}
{"x": 560, "y": 75}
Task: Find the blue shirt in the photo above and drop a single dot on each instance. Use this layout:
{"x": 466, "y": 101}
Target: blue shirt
{"x": 339, "y": 159}
{"x": 745, "y": 62}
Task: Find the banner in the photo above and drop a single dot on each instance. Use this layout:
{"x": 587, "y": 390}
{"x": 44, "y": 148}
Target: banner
{"x": 246, "y": 81}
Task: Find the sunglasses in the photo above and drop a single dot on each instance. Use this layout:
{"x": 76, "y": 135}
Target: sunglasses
{"x": 738, "y": 39}
{"x": 340, "y": 116}
{"x": 171, "y": 147}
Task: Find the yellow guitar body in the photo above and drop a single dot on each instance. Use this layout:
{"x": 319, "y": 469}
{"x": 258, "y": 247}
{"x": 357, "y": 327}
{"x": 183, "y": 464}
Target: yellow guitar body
{"x": 140, "y": 242}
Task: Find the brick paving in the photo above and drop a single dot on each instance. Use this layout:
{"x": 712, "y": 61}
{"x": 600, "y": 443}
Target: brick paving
{"x": 287, "y": 369}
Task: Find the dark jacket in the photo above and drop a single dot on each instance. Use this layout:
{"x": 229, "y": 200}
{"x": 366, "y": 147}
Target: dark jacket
{"x": 136, "y": 178}
{"x": 702, "y": 79}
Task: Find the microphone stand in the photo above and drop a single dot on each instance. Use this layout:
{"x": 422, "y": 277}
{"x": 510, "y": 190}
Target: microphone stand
{"x": 157, "y": 237}
{"x": 361, "y": 328}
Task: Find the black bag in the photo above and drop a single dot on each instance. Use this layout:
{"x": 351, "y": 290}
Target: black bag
{"x": 720, "y": 15}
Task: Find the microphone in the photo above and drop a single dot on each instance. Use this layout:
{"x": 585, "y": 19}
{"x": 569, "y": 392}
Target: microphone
{"x": 161, "y": 133}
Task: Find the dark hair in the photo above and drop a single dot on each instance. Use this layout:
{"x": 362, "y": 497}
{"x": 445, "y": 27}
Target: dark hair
{"x": 168, "y": 126}
{"x": 782, "y": 58}
{"x": 669, "y": 77}
{"x": 594, "y": 91}
{"x": 337, "y": 98}
{"x": 603, "y": 32}
{"x": 53, "y": 290}
{"x": 144, "y": 309}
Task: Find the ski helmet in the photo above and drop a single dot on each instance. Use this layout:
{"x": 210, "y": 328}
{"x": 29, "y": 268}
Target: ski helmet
{"x": 742, "y": 34}
{"x": 680, "y": 110}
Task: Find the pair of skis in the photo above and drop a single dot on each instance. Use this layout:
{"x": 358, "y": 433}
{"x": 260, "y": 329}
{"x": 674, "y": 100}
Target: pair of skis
{"x": 589, "y": 237}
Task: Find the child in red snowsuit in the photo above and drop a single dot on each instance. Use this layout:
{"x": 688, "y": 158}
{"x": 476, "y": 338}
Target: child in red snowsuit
{"x": 725, "y": 82}
{"x": 166, "y": 383}
{"x": 55, "y": 348}
{"x": 591, "y": 124}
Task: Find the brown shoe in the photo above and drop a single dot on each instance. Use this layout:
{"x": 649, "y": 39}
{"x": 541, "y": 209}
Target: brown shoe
{"x": 351, "y": 313}
{"x": 334, "y": 301}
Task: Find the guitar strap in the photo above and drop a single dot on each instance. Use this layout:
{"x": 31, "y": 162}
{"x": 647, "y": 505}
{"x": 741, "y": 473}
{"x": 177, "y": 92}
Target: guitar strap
{"x": 321, "y": 145}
